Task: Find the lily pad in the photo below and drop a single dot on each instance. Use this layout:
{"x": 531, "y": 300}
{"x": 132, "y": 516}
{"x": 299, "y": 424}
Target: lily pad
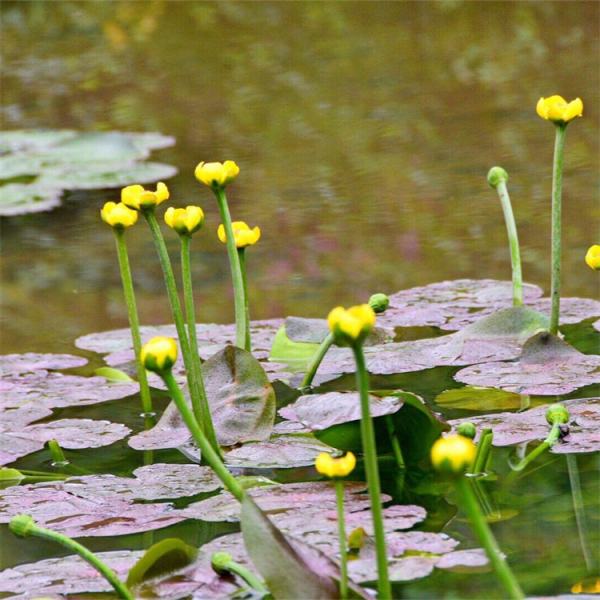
{"x": 498, "y": 335}
{"x": 485, "y": 399}
{"x": 19, "y": 439}
{"x": 31, "y": 361}
{"x": 572, "y": 310}
{"x": 447, "y": 303}
{"x": 68, "y": 160}
{"x": 528, "y": 426}
{"x": 547, "y": 366}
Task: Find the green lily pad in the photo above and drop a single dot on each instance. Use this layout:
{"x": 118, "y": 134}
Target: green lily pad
{"x": 485, "y": 399}
{"x": 23, "y": 198}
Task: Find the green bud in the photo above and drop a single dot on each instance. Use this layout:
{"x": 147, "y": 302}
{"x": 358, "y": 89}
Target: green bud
{"x": 356, "y": 539}
{"x": 21, "y": 525}
{"x": 379, "y": 303}
{"x": 467, "y": 430}
{"x": 496, "y": 175}
{"x": 557, "y": 413}
{"x": 220, "y": 561}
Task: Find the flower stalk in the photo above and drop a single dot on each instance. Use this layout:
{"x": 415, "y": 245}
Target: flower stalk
{"x": 557, "y": 171}
{"x": 371, "y": 468}
{"x": 223, "y": 563}
{"x": 134, "y": 322}
{"x": 242, "y": 332}
{"x": 242, "y": 259}
{"x": 194, "y": 373}
{"x": 339, "y": 495}
{"x": 24, "y": 526}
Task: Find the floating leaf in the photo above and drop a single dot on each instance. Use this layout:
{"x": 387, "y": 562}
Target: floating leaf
{"x": 12, "y": 364}
{"x": 112, "y": 374}
{"x": 547, "y": 366}
{"x": 447, "y": 303}
{"x": 572, "y": 310}
{"x": 484, "y": 399}
{"x": 597, "y": 325}
{"x": 516, "y": 428}
{"x": 498, "y": 335}
{"x": 295, "y": 354}
{"x": 279, "y": 452}
{"x": 73, "y": 434}
{"x": 23, "y": 198}
{"x": 163, "y": 557}
{"x": 33, "y": 140}
{"x": 169, "y": 432}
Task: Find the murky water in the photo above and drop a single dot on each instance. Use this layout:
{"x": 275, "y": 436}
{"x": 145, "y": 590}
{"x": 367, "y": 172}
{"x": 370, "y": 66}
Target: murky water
{"x": 364, "y": 132}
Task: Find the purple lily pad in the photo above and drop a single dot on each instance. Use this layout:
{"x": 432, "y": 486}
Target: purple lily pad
{"x": 572, "y": 310}
{"x": 11, "y": 364}
{"x": 547, "y": 366}
{"x": 321, "y": 411}
{"x": 16, "y": 441}
{"x": 55, "y": 390}
{"x": 65, "y": 575}
{"x": 446, "y": 303}
{"x": 498, "y": 335}
{"x": 279, "y": 452}
{"x": 528, "y": 426}
{"x": 281, "y": 498}
{"x": 459, "y": 560}
{"x": 596, "y": 325}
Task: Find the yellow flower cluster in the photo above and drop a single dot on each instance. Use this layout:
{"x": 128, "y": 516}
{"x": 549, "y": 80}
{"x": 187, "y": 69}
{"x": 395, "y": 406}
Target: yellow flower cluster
{"x": 118, "y": 215}
{"x": 351, "y": 325}
{"x": 185, "y": 221}
{"x": 135, "y": 196}
{"x": 216, "y": 174}
{"x": 558, "y": 110}
{"x": 453, "y": 454}
{"x": 159, "y": 354}
{"x": 242, "y": 234}
{"x": 592, "y": 257}
{"x": 335, "y": 467}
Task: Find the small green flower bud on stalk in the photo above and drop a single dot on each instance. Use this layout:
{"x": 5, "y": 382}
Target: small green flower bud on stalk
{"x": 379, "y": 303}
{"x": 467, "y": 430}
{"x": 496, "y": 175}
{"x": 21, "y": 525}
{"x": 220, "y": 562}
{"x": 557, "y": 413}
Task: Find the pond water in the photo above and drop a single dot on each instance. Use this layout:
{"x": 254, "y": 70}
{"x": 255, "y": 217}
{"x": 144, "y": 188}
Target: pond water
{"x": 364, "y": 132}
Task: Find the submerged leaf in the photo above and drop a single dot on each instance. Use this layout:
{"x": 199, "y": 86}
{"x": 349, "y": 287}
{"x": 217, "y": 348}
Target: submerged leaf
{"x": 546, "y": 366}
{"x": 484, "y": 399}
{"x": 531, "y": 425}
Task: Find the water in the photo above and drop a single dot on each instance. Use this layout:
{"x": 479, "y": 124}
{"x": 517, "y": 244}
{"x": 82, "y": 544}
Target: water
{"x": 363, "y": 131}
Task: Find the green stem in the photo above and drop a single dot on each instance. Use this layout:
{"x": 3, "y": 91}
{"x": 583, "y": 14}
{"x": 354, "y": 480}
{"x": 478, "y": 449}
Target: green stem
{"x": 192, "y": 378}
{"x": 513, "y": 241}
{"x": 208, "y": 452}
{"x": 397, "y": 450}
{"x": 242, "y": 258}
{"x": 371, "y": 468}
{"x": 316, "y": 360}
{"x": 134, "y": 322}
{"x": 246, "y": 574}
{"x": 550, "y": 440}
{"x": 339, "y": 493}
{"x": 578, "y": 508}
{"x": 557, "y": 170}
{"x": 487, "y": 540}
{"x": 119, "y": 587}
{"x": 199, "y": 404}
{"x": 483, "y": 451}
{"x": 236, "y": 270}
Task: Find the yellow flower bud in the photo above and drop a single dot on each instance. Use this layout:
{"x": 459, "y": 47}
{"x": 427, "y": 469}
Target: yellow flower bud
{"x": 184, "y": 221}
{"x": 159, "y": 354}
{"x": 216, "y": 174}
{"x": 558, "y": 110}
{"x": 453, "y": 454}
{"x": 352, "y": 325}
{"x": 592, "y": 257}
{"x": 242, "y": 234}
{"x": 135, "y": 196}
{"x": 335, "y": 467}
{"x": 118, "y": 215}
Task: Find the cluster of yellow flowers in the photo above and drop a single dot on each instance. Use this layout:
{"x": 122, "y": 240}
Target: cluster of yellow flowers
{"x": 185, "y": 221}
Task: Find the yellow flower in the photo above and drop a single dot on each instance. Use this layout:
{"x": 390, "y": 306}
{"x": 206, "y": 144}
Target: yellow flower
{"x": 453, "y": 454}
{"x": 558, "y": 110}
{"x": 592, "y": 257}
{"x": 335, "y": 467}
{"x": 216, "y": 174}
{"x": 184, "y": 221}
{"x": 135, "y": 196}
{"x": 353, "y": 324}
{"x": 242, "y": 234}
{"x": 159, "y": 354}
{"x": 118, "y": 215}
